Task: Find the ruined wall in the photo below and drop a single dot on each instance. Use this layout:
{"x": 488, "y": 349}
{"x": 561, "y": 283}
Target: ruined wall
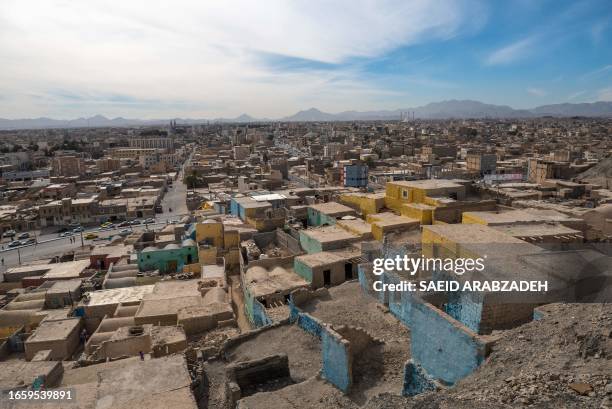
{"x": 304, "y": 320}
{"x": 285, "y": 240}
{"x": 446, "y": 349}
{"x": 337, "y": 359}
{"x": 258, "y": 316}
{"x": 466, "y": 307}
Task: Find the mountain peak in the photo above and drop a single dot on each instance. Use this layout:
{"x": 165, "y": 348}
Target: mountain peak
{"x": 435, "y": 110}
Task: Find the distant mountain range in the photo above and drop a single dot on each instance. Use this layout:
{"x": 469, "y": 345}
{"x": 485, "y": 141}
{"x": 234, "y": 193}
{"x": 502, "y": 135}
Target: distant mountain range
{"x": 435, "y": 110}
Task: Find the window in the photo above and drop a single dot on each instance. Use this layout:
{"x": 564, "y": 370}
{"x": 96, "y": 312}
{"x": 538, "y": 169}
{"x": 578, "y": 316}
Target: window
{"x": 404, "y": 194}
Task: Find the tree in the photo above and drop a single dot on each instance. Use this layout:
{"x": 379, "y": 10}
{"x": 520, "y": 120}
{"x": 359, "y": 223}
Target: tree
{"x": 191, "y": 180}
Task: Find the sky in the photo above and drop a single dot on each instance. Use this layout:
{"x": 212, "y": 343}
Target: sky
{"x": 272, "y": 58}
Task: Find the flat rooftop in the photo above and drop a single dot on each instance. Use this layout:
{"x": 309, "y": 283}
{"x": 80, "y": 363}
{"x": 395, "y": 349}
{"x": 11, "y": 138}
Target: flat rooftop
{"x": 213, "y": 271}
{"x": 470, "y": 233}
{"x": 328, "y": 234}
{"x": 324, "y": 258}
{"x": 54, "y": 330}
{"x": 391, "y": 219}
{"x": 380, "y": 195}
{"x": 430, "y": 184}
{"x": 18, "y": 373}
{"x": 159, "y": 383}
{"x": 518, "y": 216}
{"x": 539, "y": 229}
{"x": 332, "y": 208}
{"x": 174, "y": 288}
{"x": 357, "y": 225}
{"x": 52, "y": 271}
{"x": 111, "y": 251}
{"x": 119, "y": 295}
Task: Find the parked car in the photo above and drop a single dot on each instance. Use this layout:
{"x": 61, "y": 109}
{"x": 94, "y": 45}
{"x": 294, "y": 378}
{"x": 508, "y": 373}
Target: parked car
{"x": 29, "y": 241}
{"x": 149, "y": 220}
{"x": 23, "y": 236}
{"x": 105, "y": 224}
{"x": 90, "y": 236}
{"x": 125, "y": 232}
{"x": 66, "y": 234}
{"x": 78, "y": 229}
{"x": 135, "y": 222}
{"x": 9, "y": 233}
{"x": 14, "y": 243}
{"x": 124, "y": 224}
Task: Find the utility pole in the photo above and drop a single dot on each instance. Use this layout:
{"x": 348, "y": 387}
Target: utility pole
{"x": 19, "y": 255}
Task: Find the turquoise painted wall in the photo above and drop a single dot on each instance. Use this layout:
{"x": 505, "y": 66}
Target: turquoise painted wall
{"x": 160, "y": 258}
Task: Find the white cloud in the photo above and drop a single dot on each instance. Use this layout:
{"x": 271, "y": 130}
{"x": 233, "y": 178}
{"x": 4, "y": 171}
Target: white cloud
{"x": 604, "y": 94}
{"x": 538, "y": 92}
{"x": 597, "y": 72}
{"x": 204, "y": 53}
{"x": 511, "y": 53}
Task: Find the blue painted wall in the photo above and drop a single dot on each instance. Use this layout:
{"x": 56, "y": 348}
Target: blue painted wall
{"x": 336, "y": 361}
{"x": 304, "y": 320}
{"x": 260, "y": 317}
{"x": 444, "y": 350}
{"x": 234, "y": 207}
{"x": 465, "y": 307}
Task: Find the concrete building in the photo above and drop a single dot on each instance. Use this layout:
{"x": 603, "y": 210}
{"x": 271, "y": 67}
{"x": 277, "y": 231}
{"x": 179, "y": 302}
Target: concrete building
{"x": 355, "y": 175}
{"x": 327, "y": 213}
{"x": 60, "y": 337}
{"x": 169, "y": 259}
{"x": 326, "y": 238}
{"x": 151, "y": 143}
{"x": 326, "y": 268}
{"x": 67, "y": 166}
{"x": 483, "y": 163}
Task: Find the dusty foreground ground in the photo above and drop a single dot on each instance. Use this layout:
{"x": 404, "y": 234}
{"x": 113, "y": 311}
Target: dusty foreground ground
{"x": 540, "y": 365}
{"x": 561, "y": 361}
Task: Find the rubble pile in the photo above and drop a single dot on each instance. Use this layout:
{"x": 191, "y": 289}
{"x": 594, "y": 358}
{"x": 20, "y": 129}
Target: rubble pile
{"x": 252, "y": 250}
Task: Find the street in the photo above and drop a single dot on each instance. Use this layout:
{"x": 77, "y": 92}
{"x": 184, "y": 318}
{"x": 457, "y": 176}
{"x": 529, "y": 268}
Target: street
{"x": 50, "y": 245}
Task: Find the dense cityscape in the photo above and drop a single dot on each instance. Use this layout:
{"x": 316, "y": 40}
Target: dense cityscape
{"x": 230, "y": 265}
{"x": 306, "y": 204}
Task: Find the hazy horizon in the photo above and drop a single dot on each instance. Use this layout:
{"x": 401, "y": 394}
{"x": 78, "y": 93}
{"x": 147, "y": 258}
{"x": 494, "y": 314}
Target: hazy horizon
{"x": 190, "y": 59}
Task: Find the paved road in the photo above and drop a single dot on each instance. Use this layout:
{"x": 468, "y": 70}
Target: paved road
{"x": 49, "y": 245}
{"x": 58, "y": 246}
{"x": 175, "y": 199}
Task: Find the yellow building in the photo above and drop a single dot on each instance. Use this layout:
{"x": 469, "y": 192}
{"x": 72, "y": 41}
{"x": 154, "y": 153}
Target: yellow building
{"x": 210, "y": 232}
{"x": 367, "y": 203}
{"x": 418, "y": 199}
{"x": 421, "y": 191}
{"x": 385, "y": 223}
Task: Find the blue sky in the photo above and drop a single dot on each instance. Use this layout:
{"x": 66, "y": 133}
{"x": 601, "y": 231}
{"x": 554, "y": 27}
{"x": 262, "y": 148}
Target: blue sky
{"x": 190, "y": 58}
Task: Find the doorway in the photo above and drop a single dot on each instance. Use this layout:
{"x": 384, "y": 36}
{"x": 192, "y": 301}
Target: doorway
{"x": 348, "y": 271}
{"x": 326, "y": 278}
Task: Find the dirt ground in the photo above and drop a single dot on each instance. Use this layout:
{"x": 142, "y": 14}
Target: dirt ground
{"x": 302, "y": 349}
{"x": 379, "y": 368}
{"x": 537, "y": 365}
